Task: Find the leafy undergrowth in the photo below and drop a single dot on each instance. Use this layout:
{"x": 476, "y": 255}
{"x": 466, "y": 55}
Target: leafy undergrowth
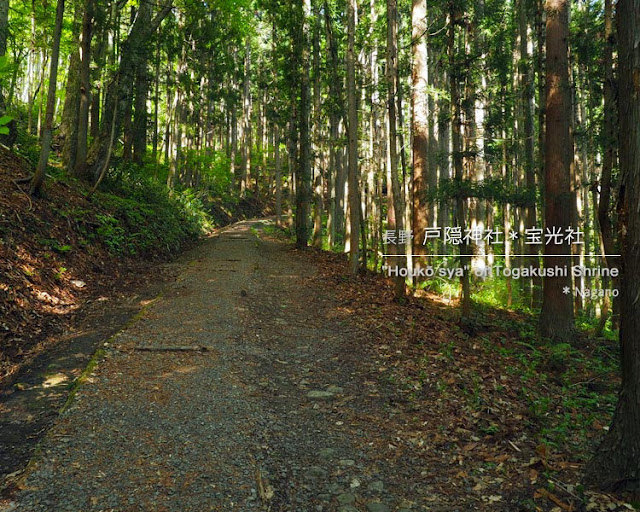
{"x": 508, "y": 419}
{"x": 59, "y": 250}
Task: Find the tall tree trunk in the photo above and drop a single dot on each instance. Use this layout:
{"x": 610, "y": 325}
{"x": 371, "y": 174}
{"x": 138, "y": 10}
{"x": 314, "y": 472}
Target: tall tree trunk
{"x": 4, "y": 26}
{"x": 278, "y": 165}
{"x": 4, "y": 32}
{"x": 318, "y": 193}
{"x": 99, "y": 55}
{"x": 70, "y": 113}
{"x": 32, "y": 70}
{"x": 47, "y": 133}
{"x": 444, "y": 149}
{"x": 527, "y": 98}
{"x": 234, "y": 114}
{"x": 396, "y": 221}
{"x": 303, "y": 172}
{"x": 292, "y": 160}
{"x": 336, "y": 113}
{"x": 458, "y": 171}
{"x": 247, "y": 141}
{"x": 71, "y": 107}
{"x": 80, "y": 165}
{"x": 542, "y": 91}
{"x": 332, "y": 179}
{"x": 611, "y": 143}
{"x": 156, "y": 106}
{"x": 433, "y": 139}
{"x": 419, "y": 126}
{"x": 616, "y": 464}
{"x": 374, "y": 175}
{"x": 556, "y": 318}
{"x": 139, "y": 134}
{"x": 352, "y": 135}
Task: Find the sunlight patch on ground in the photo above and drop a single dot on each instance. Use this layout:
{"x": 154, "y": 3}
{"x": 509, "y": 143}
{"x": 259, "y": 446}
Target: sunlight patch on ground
{"x": 55, "y": 380}
{"x": 46, "y": 297}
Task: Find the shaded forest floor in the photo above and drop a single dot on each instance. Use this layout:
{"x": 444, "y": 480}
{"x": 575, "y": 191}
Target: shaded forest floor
{"x": 73, "y": 271}
{"x": 510, "y": 418}
{"x": 64, "y": 252}
{"x": 48, "y": 270}
{"x": 302, "y": 389}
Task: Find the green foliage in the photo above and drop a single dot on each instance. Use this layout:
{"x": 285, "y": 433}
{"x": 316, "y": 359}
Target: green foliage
{"x": 192, "y": 207}
{"x": 4, "y": 121}
{"x": 55, "y": 245}
{"x": 111, "y": 233}
{"x": 6, "y": 68}
{"x": 588, "y": 322}
{"x": 494, "y": 292}
{"x": 27, "y": 145}
{"x": 565, "y": 419}
{"x": 144, "y": 216}
{"x": 447, "y": 350}
{"x": 216, "y": 173}
{"x": 490, "y": 189}
{"x": 276, "y": 232}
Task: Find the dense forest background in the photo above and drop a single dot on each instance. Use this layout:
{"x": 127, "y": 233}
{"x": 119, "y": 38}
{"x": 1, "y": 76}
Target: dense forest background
{"x": 371, "y": 128}
{"x": 294, "y": 104}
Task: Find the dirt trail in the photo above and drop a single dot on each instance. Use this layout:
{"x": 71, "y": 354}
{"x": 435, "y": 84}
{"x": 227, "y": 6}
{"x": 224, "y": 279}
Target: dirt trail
{"x": 239, "y": 389}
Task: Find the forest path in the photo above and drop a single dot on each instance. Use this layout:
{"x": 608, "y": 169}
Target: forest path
{"x": 238, "y": 389}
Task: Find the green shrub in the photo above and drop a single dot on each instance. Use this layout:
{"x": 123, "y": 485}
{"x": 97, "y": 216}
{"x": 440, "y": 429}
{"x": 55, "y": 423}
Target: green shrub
{"x": 144, "y": 216}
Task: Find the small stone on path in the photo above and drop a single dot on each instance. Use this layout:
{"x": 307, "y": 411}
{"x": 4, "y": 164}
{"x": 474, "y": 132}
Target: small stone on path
{"x": 326, "y": 453}
{"x": 346, "y": 499}
{"x": 319, "y": 395}
{"x": 376, "y": 486}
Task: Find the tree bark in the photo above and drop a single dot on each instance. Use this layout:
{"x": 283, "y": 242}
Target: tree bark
{"x": 396, "y": 221}
{"x": 47, "y": 133}
{"x": 70, "y": 112}
{"x": 419, "y": 127}
{"x": 352, "y": 134}
{"x": 156, "y": 107}
{"x": 541, "y": 84}
{"x": 335, "y": 219}
{"x": 556, "y": 318}
{"x": 99, "y": 54}
{"x": 616, "y": 464}
{"x": 68, "y": 131}
{"x": 140, "y": 119}
{"x": 234, "y": 116}
{"x": 303, "y": 172}
{"x": 4, "y": 32}
{"x": 278, "y": 165}
{"x": 456, "y": 142}
{"x": 246, "y": 120}
{"x": 603, "y": 206}
{"x": 80, "y": 164}
{"x": 318, "y": 156}
{"x": 527, "y": 97}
